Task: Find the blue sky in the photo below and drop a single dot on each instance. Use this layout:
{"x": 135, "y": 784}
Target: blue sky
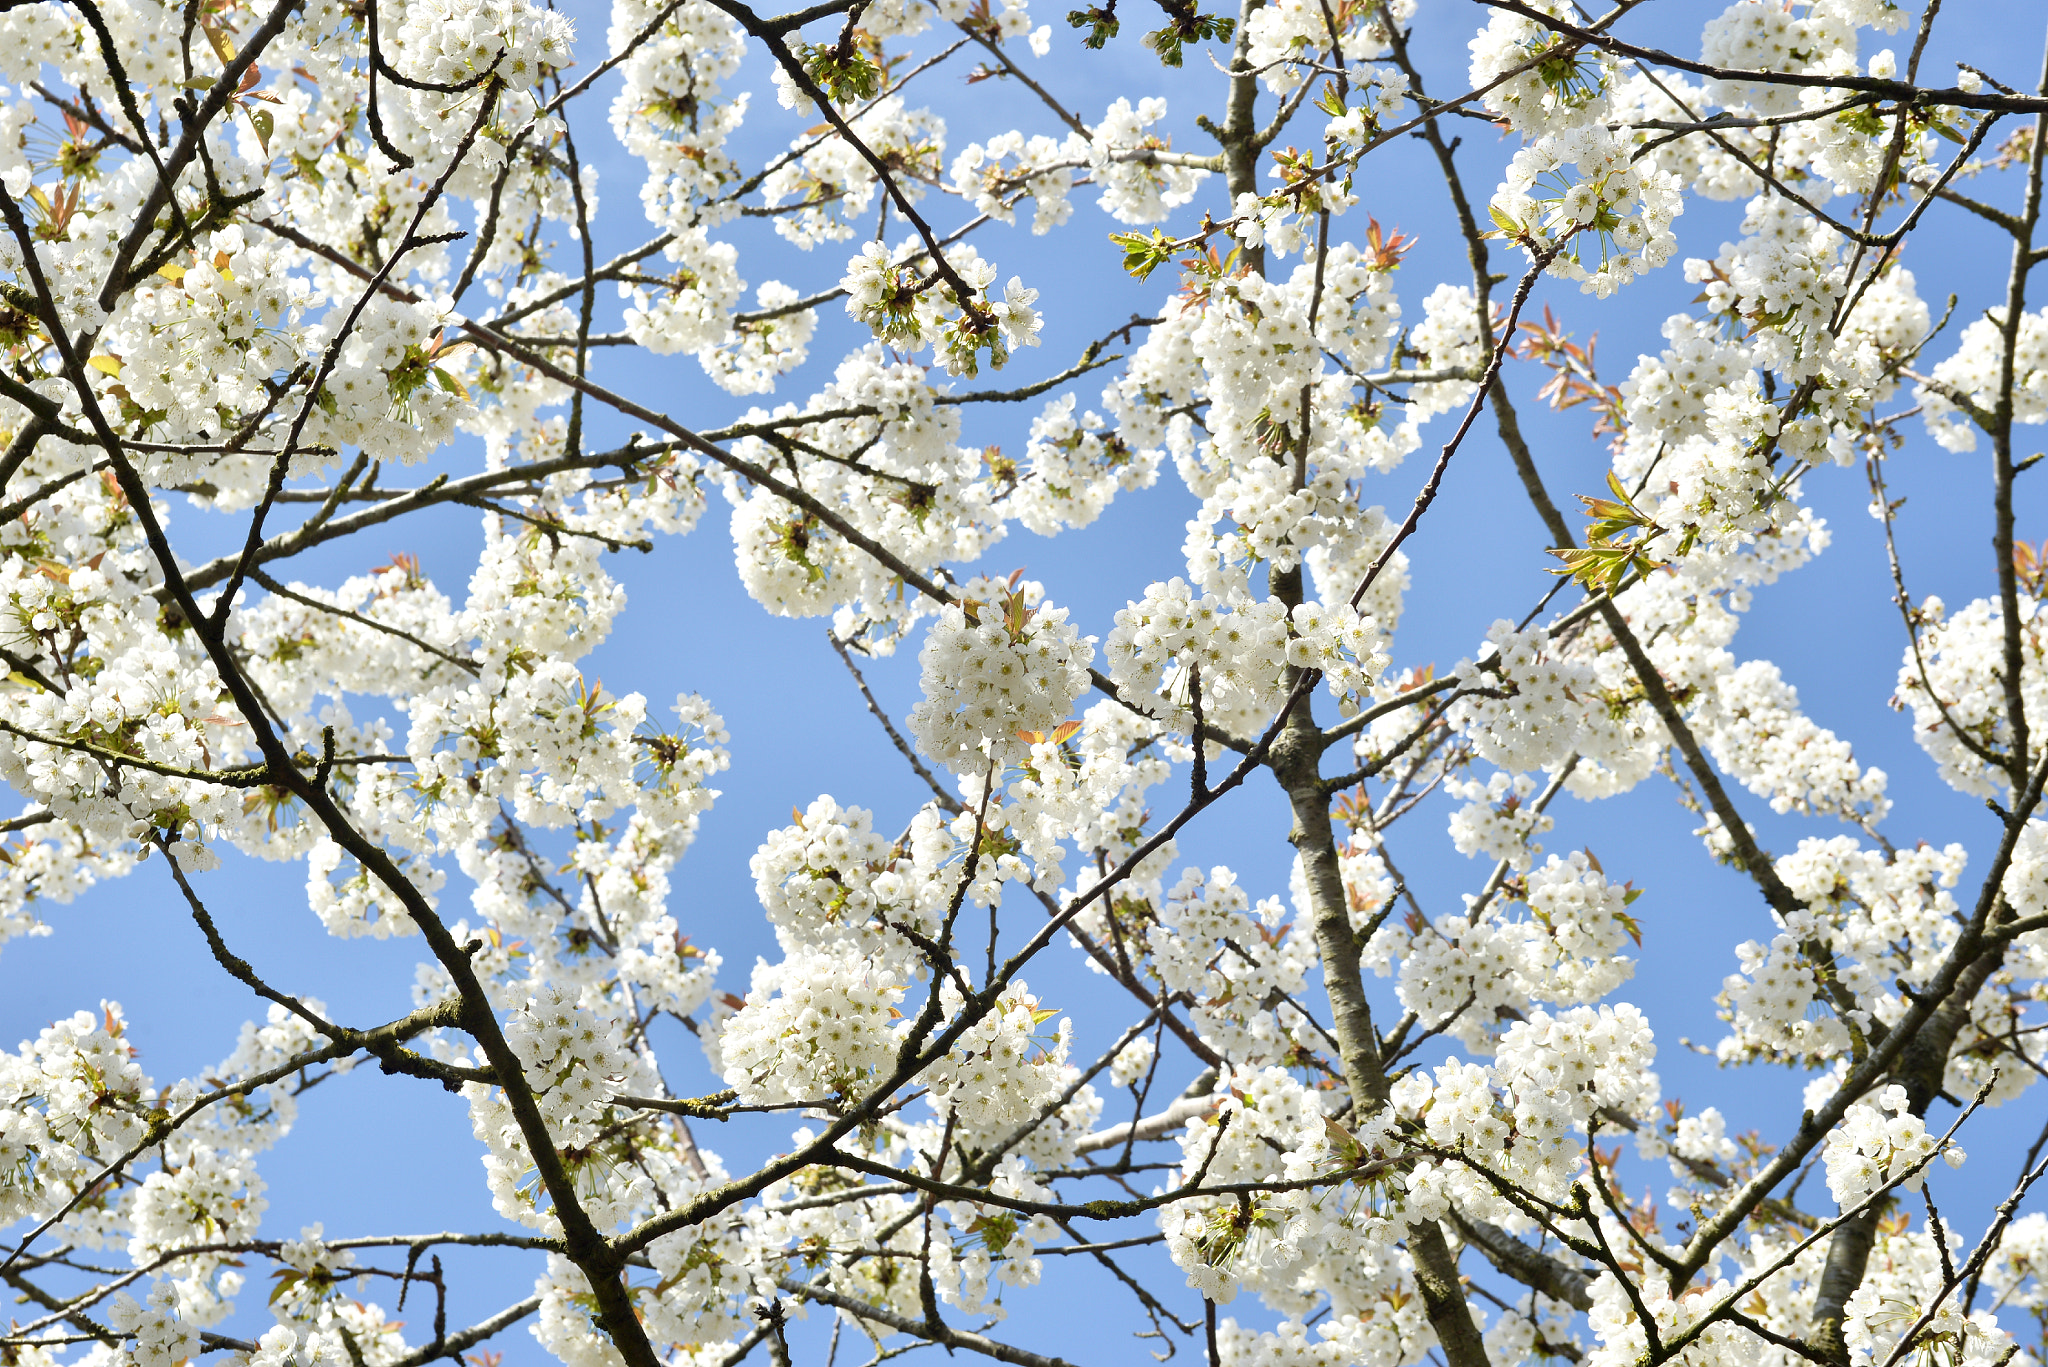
{"x": 380, "y": 1155}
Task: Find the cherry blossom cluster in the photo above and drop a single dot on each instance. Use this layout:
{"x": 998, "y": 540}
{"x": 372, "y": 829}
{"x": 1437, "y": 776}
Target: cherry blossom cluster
{"x": 1879, "y": 1146}
{"x": 1010, "y": 668}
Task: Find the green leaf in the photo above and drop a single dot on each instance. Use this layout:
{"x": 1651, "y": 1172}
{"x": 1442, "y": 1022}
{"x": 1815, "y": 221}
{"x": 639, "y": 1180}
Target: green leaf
{"x": 1169, "y": 41}
{"x": 223, "y": 46}
{"x": 1343, "y": 1144}
{"x": 1100, "y": 23}
{"x": 995, "y": 1231}
{"x": 845, "y": 80}
{"x": 1601, "y": 568}
{"x": 1144, "y": 254}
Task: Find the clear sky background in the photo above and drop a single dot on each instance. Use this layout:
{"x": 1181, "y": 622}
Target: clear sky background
{"x": 377, "y": 1155}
